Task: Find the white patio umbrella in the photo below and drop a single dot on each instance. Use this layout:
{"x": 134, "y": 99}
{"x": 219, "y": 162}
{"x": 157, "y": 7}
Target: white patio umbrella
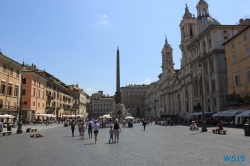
{"x": 224, "y": 113}
{"x": 128, "y": 117}
{"x": 244, "y": 114}
{"x": 7, "y": 116}
{"x": 218, "y": 113}
{"x": 79, "y": 115}
{"x": 50, "y": 115}
{"x": 106, "y": 116}
{"x": 40, "y": 114}
{"x": 234, "y": 112}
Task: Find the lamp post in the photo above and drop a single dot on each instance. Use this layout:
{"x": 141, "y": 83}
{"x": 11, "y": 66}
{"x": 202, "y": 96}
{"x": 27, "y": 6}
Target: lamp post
{"x": 19, "y": 128}
{"x": 204, "y": 129}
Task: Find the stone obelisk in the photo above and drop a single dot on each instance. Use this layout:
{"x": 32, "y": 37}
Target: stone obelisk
{"x": 117, "y": 93}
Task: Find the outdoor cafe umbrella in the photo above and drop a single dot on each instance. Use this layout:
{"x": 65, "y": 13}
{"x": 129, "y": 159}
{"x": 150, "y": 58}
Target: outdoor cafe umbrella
{"x": 224, "y": 113}
{"x": 40, "y": 114}
{"x": 244, "y": 114}
{"x": 218, "y": 113}
{"x": 106, "y": 116}
{"x": 234, "y": 112}
{"x": 128, "y": 117}
{"x": 50, "y": 115}
{"x": 7, "y": 116}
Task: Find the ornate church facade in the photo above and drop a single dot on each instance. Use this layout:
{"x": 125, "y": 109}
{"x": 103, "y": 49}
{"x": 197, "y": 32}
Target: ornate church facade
{"x": 201, "y": 81}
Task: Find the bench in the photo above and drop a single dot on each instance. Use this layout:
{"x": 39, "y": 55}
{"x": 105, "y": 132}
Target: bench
{"x": 6, "y": 133}
{"x": 33, "y": 129}
{"x": 217, "y": 131}
{"x": 224, "y": 132}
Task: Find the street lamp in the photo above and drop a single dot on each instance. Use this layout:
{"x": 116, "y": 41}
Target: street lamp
{"x": 19, "y": 128}
{"x": 204, "y": 129}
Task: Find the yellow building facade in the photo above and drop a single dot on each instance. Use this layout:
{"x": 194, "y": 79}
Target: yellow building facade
{"x": 10, "y": 81}
{"x": 238, "y": 70}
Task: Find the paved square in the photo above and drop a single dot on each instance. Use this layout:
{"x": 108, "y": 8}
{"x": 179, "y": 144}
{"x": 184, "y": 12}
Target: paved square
{"x": 158, "y": 145}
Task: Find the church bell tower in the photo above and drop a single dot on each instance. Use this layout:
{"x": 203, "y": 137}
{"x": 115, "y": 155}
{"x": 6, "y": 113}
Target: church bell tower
{"x": 167, "y": 60}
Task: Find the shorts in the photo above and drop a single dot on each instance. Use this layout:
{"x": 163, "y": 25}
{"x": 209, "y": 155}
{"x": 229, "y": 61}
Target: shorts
{"x": 111, "y": 136}
{"x": 90, "y": 130}
{"x": 96, "y": 131}
{"x": 116, "y": 132}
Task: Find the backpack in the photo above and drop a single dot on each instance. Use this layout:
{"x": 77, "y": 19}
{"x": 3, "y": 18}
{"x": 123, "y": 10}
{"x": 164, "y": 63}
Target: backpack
{"x": 73, "y": 124}
{"x": 90, "y": 126}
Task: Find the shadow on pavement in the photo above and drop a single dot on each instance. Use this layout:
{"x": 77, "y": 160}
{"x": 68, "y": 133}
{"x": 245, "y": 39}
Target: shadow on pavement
{"x": 196, "y": 133}
{"x": 90, "y": 144}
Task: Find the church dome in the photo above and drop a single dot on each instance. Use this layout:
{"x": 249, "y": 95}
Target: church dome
{"x": 204, "y": 20}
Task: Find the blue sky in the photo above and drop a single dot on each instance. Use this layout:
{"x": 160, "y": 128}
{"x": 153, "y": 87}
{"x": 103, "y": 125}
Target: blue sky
{"x": 76, "y": 41}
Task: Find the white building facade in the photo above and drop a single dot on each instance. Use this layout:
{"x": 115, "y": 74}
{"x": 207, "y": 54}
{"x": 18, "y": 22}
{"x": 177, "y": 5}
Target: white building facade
{"x": 201, "y": 82}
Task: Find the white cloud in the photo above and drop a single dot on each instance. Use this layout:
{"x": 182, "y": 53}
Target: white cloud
{"x": 104, "y": 19}
{"x": 88, "y": 89}
{"x": 147, "y": 81}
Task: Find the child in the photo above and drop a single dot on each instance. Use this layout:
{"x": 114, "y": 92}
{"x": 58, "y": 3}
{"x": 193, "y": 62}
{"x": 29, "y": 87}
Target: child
{"x": 111, "y": 132}
{"x": 83, "y": 130}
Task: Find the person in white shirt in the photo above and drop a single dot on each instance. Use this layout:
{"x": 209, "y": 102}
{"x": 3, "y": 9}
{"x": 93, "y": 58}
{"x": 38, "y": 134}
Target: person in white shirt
{"x": 96, "y": 126}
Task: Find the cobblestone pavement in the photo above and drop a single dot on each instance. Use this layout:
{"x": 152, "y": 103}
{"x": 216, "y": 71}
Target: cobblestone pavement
{"x": 158, "y": 145}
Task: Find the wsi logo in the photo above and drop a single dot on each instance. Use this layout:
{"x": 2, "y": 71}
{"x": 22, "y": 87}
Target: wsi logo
{"x": 240, "y": 158}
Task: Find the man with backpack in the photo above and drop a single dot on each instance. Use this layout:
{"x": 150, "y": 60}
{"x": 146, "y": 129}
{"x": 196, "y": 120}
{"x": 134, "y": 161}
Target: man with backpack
{"x": 89, "y": 126}
{"x": 73, "y": 124}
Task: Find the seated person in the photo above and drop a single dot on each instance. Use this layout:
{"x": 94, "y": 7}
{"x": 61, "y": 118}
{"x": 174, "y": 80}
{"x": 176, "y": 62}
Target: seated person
{"x": 193, "y": 126}
{"x": 220, "y": 127}
{"x": 36, "y": 135}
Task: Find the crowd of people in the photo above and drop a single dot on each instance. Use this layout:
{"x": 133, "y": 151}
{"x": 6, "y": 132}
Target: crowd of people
{"x": 92, "y": 126}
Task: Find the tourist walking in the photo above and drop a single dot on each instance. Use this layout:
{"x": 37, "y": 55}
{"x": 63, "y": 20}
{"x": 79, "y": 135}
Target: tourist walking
{"x": 89, "y": 126}
{"x": 1, "y": 125}
{"x": 79, "y": 124}
{"x": 111, "y": 133}
{"x": 96, "y": 126}
{"x": 144, "y": 123}
{"x": 83, "y": 130}
{"x": 73, "y": 124}
{"x": 116, "y": 131}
